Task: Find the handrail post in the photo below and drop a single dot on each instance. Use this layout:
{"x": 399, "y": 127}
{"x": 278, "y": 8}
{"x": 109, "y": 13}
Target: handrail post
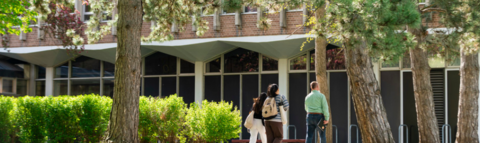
{"x": 350, "y": 132}
{"x": 449, "y": 133}
{"x": 400, "y": 131}
{"x": 336, "y": 133}
{"x": 294, "y": 130}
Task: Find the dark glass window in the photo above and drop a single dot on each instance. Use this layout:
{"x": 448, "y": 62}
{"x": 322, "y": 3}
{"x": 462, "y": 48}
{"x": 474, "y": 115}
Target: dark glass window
{"x": 22, "y": 85}
{"x": 85, "y": 67}
{"x": 160, "y": 64}
{"x": 169, "y": 86}
{"x": 40, "y": 88}
{"x": 61, "y": 71}
{"x": 299, "y": 63}
{"x": 187, "y": 67}
{"x": 269, "y": 64}
{"x": 406, "y": 60}
{"x": 335, "y": 58}
{"x": 213, "y": 66}
{"x": 241, "y": 60}
{"x": 109, "y": 69}
{"x": 60, "y": 87}
{"x": 152, "y": 86}
{"x": 41, "y": 72}
{"x": 108, "y": 87}
{"x": 7, "y": 85}
{"x": 80, "y": 87}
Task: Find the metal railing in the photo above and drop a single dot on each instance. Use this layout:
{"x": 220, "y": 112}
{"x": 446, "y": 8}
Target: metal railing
{"x": 400, "y": 132}
{"x": 294, "y": 130}
{"x": 336, "y": 133}
{"x": 449, "y": 133}
{"x": 350, "y": 132}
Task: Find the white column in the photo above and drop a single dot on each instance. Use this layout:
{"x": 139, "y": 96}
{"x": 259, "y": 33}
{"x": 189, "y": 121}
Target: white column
{"x": 199, "y": 82}
{"x": 283, "y": 87}
{"x": 479, "y": 104}
{"x": 31, "y": 82}
{"x": 376, "y": 70}
{"x": 49, "y": 81}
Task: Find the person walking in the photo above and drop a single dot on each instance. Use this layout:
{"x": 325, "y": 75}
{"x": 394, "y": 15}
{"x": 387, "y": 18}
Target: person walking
{"x": 258, "y": 124}
{"x": 273, "y": 125}
{"x": 317, "y": 110}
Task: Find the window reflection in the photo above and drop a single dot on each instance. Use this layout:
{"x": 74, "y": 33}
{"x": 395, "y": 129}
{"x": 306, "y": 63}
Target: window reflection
{"x": 241, "y": 60}
{"x": 22, "y": 86}
{"x": 40, "y": 88}
{"x": 187, "y": 67}
{"x": 160, "y": 64}
{"x": 89, "y": 86}
{"x": 7, "y": 86}
{"x": 213, "y": 66}
{"x": 41, "y": 72}
{"x": 108, "y": 87}
{"x": 85, "y": 67}
{"x": 269, "y": 64}
{"x": 299, "y": 63}
{"x": 109, "y": 69}
{"x": 335, "y": 58}
{"x": 61, "y": 71}
{"x": 61, "y": 87}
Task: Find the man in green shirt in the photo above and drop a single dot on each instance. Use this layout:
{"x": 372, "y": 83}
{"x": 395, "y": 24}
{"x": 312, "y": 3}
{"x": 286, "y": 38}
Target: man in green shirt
{"x": 317, "y": 109}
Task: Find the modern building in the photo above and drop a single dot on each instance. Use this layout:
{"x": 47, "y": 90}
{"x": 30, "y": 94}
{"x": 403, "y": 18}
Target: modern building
{"x": 235, "y": 61}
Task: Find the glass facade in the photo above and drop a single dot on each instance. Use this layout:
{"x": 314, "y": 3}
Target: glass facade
{"x": 40, "y": 88}
{"x": 108, "y": 87}
{"x": 108, "y": 69}
{"x": 7, "y": 86}
{"x": 213, "y": 66}
{"x": 61, "y": 71}
{"x": 85, "y": 86}
{"x": 60, "y": 87}
{"x": 160, "y": 64}
{"x": 299, "y": 63}
{"x": 41, "y": 72}
{"x": 335, "y": 59}
{"x": 187, "y": 67}
{"x": 85, "y": 67}
{"x": 269, "y": 64}
{"x": 22, "y": 86}
{"x": 241, "y": 60}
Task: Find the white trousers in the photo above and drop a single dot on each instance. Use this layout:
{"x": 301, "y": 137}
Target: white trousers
{"x": 256, "y": 129}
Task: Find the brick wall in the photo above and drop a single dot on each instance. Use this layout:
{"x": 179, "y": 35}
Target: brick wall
{"x": 228, "y": 29}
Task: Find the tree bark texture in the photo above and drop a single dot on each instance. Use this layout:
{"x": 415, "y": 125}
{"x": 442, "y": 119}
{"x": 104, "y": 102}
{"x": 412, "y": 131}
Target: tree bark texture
{"x": 426, "y": 119}
{"x": 321, "y": 69}
{"x": 369, "y": 109}
{"x": 468, "y": 101}
{"x": 124, "y": 118}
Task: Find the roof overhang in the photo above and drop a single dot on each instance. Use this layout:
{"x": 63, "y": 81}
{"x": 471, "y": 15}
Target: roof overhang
{"x": 277, "y": 46}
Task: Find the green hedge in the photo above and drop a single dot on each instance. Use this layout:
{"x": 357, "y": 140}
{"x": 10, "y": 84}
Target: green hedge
{"x": 85, "y": 119}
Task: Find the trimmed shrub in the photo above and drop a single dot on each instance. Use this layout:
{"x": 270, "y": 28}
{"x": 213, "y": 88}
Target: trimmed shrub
{"x": 93, "y": 116}
{"x": 61, "y": 119}
{"x": 162, "y": 119}
{"x": 85, "y": 119}
{"x": 7, "y": 132}
{"x": 213, "y": 122}
{"x": 30, "y": 118}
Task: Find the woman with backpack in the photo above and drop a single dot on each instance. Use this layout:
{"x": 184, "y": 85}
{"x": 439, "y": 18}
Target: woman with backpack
{"x": 272, "y": 117}
{"x": 258, "y": 125}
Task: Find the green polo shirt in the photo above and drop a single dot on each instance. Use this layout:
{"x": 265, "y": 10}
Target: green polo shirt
{"x": 317, "y": 103}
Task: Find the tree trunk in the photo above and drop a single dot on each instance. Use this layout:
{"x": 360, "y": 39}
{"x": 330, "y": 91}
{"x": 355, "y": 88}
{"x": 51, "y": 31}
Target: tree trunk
{"x": 123, "y": 124}
{"x": 468, "y": 103}
{"x": 371, "y": 115}
{"x": 321, "y": 69}
{"x": 427, "y": 121}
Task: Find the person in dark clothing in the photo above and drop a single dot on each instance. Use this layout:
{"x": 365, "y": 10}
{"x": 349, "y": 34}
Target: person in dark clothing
{"x": 258, "y": 125}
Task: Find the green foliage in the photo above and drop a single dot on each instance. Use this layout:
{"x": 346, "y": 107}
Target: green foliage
{"x": 213, "y": 122}
{"x": 6, "y": 121}
{"x": 61, "y": 119}
{"x": 162, "y": 119}
{"x": 85, "y": 119}
{"x": 232, "y": 4}
{"x": 16, "y": 13}
{"x": 30, "y": 118}
{"x": 93, "y": 114}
